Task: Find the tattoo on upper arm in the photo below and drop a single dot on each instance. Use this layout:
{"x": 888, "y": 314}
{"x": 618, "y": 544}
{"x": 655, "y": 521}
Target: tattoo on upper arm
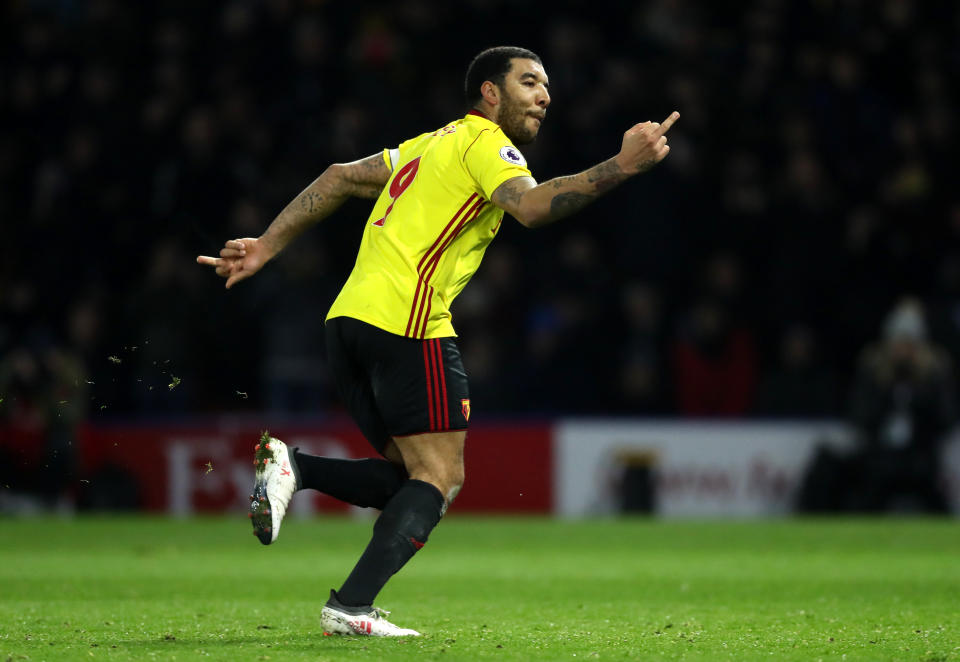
{"x": 507, "y": 194}
{"x": 371, "y": 171}
{"x": 370, "y": 191}
{"x": 310, "y": 202}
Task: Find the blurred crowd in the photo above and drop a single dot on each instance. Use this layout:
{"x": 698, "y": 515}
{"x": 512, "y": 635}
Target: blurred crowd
{"x": 808, "y": 190}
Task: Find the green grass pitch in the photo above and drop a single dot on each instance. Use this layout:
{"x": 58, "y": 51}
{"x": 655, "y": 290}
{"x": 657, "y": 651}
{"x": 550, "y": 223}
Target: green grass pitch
{"x": 486, "y": 589}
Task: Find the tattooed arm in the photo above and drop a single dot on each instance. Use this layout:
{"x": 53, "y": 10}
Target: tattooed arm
{"x": 644, "y": 145}
{"x": 362, "y": 179}
{"x": 536, "y": 205}
{"x": 241, "y": 258}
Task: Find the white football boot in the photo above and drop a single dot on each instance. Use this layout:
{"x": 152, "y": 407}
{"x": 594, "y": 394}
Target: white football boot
{"x": 337, "y": 618}
{"x": 277, "y": 478}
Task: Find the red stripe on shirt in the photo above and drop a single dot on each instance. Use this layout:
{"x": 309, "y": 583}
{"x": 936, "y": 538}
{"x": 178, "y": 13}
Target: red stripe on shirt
{"x": 426, "y": 317}
{"x": 435, "y": 260}
{"x": 413, "y": 307}
{"x": 439, "y": 238}
{"x": 424, "y": 298}
{"x": 416, "y": 307}
{"x": 432, "y": 266}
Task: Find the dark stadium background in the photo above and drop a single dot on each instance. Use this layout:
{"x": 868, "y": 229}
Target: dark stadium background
{"x": 810, "y": 185}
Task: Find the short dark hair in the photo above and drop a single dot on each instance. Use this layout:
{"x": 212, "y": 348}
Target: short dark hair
{"x": 492, "y": 65}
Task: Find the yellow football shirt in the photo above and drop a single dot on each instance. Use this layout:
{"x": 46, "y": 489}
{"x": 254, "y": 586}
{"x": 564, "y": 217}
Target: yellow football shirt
{"x": 429, "y": 228}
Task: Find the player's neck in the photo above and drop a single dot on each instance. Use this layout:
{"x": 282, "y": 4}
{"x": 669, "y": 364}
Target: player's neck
{"x": 484, "y": 112}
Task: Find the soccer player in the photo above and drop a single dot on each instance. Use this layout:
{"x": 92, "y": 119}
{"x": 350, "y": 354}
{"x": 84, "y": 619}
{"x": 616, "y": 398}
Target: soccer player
{"x": 440, "y": 198}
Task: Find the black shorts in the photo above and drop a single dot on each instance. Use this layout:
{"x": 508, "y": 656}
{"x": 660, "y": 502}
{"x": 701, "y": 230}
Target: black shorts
{"x": 395, "y": 386}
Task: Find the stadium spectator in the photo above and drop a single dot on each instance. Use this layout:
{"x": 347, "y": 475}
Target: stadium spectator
{"x": 45, "y": 391}
{"x": 903, "y": 403}
{"x": 714, "y": 363}
{"x": 798, "y": 386}
{"x": 639, "y": 387}
{"x": 715, "y": 358}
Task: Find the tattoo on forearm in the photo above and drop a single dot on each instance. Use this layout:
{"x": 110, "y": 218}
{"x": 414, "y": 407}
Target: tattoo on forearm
{"x": 643, "y": 166}
{"x": 310, "y": 202}
{"x": 605, "y": 176}
{"x": 569, "y": 203}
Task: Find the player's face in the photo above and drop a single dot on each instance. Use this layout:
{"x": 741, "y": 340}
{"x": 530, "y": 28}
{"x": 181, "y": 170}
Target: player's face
{"x": 524, "y": 101}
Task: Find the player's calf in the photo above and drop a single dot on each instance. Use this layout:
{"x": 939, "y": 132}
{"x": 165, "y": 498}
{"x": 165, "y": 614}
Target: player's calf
{"x": 400, "y": 532}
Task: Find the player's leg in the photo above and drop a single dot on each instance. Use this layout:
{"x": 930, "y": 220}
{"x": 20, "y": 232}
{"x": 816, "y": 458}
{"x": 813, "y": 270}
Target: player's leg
{"x": 369, "y": 482}
{"x": 435, "y": 458}
{"x": 281, "y": 471}
{"x": 435, "y": 463}
{"x": 422, "y": 395}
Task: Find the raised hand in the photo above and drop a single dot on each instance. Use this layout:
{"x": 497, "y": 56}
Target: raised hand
{"x": 645, "y": 145}
{"x": 239, "y": 259}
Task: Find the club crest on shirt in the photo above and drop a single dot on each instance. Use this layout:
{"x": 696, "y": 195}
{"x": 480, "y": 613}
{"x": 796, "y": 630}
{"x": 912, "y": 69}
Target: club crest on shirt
{"x": 511, "y": 154}
{"x": 465, "y": 408}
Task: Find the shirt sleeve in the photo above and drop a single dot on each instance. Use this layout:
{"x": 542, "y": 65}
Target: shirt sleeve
{"x": 492, "y": 159}
{"x": 390, "y": 157}
{"x": 395, "y": 157}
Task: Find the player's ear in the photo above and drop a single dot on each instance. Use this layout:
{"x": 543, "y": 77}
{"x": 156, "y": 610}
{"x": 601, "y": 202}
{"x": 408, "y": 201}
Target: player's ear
{"x": 490, "y": 93}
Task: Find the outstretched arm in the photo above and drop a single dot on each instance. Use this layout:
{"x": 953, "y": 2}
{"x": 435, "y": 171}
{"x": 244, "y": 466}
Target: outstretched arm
{"x": 241, "y": 258}
{"x": 644, "y": 146}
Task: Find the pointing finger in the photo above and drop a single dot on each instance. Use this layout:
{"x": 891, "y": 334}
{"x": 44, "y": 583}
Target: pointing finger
{"x": 667, "y": 123}
{"x": 210, "y": 261}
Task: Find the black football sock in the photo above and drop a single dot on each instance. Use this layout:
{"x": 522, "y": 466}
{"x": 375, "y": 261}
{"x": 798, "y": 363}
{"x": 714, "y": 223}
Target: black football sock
{"x": 401, "y": 530}
{"x": 367, "y": 483}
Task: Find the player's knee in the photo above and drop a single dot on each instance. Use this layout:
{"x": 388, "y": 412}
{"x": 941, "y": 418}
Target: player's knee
{"x": 458, "y": 477}
{"x": 448, "y": 483}
{"x": 453, "y": 485}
